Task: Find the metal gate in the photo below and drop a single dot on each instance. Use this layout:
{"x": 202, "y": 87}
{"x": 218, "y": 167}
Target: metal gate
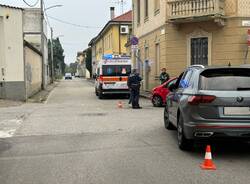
{"x": 199, "y": 51}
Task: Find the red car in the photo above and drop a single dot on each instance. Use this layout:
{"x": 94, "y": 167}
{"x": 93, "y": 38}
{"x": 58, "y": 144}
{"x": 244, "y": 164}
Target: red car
{"x": 159, "y": 93}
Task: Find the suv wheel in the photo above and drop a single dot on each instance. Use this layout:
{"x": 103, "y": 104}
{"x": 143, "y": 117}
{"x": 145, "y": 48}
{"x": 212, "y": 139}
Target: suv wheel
{"x": 167, "y": 123}
{"x": 183, "y": 142}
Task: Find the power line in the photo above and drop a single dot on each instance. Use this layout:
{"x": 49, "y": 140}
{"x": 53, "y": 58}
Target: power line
{"x": 72, "y": 24}
{"x": 33, "y": 5}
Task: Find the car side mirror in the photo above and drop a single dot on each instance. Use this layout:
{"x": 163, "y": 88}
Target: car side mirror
{"x": 172, "y": 87}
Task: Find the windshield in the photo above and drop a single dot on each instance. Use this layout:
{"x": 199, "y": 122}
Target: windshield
{"x": 116, "y": 70}
{"x": 226, "y": 79}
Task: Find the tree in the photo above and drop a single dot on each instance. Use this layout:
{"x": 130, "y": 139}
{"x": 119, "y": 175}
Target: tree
{"x": 89, "y": 60}
{"x": 58, "y": 57}
{"x": 73, "y": 67}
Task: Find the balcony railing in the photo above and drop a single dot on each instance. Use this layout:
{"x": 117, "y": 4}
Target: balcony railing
{"x": 184, "y": 9}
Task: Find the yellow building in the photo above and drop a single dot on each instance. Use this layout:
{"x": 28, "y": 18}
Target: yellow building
{"x": 112, "y": 38}
{"x": 177, "y": 33}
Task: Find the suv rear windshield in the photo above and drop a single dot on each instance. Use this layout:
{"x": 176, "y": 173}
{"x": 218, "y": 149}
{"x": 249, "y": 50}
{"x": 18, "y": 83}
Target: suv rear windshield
{"x": 116, "y": 70}
{"x": 225, "y": 79}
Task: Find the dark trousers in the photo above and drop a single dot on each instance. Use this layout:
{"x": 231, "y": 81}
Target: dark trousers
{"x": 134, "y": 96}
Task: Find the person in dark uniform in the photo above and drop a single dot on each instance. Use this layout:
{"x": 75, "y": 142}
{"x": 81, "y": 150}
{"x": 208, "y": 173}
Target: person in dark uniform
{"x": 134, "y": 84}
{"x": 164, "y": 76}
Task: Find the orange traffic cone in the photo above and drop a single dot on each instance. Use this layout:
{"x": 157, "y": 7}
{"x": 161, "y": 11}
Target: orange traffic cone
{"x": 119, "y": 105}
{"x": 208, "y": 163}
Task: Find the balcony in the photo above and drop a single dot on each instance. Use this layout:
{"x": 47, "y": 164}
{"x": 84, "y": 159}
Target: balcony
{"x": 195, "y": 10}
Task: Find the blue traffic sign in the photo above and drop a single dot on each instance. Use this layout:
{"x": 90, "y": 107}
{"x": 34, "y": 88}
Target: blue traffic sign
{"x": 134, "y": 41}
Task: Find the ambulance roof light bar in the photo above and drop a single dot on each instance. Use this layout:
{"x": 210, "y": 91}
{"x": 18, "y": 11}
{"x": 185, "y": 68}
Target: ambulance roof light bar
{"x": 111, "y": 56}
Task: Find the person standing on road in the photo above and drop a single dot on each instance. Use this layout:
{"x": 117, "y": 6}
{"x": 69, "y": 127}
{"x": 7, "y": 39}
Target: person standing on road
{"x": 164, "y": 76}
{"x": 134, "y": 84}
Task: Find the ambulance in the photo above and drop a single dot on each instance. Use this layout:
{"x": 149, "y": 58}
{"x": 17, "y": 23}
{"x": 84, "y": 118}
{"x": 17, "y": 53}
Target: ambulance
{"x": 112, "y": 75}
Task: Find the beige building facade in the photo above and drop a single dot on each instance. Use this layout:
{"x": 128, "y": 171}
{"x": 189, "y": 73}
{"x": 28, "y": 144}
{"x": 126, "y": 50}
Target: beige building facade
{"x": 174, "y": 34}
{"x": 112, "y": 39}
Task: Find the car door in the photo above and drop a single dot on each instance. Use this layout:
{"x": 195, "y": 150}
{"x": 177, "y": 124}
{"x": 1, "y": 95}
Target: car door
{"x": 183, "y": 82}
{"x": 165, "y": 90}
{"x": 171, "y": 99}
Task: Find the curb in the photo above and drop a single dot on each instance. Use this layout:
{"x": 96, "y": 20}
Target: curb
{"x": 145, "y": 96}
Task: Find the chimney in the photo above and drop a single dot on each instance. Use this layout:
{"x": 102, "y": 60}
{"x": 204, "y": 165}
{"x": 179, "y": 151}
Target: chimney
{"x": 112, "y": 13}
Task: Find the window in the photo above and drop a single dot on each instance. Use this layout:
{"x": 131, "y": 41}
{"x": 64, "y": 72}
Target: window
{"x": 98, "y": 72}
{"x": 111, "y": 44}
{"x": 199, "y": 51}
{"x": 170, "y": 83}
{"x": 116, "y": 70}
{"x": 138, "y": 11}
{"x": 157, "y": 58}
{"x": 146, "y": 8}
{"x": 157, "y": 6}
{"x": 225, "y": 79}
{"x": 186, "y": 79}
{"x": 146, "y": 54}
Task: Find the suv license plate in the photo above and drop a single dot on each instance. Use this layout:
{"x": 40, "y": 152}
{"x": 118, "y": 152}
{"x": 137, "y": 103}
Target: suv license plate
{"x": 237, "y": 111}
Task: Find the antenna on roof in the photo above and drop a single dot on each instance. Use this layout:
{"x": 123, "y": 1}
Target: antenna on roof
{"x": 121, "y": 3}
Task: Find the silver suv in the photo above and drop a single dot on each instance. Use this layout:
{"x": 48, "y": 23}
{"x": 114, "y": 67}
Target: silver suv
{"x": 209, "y": 103}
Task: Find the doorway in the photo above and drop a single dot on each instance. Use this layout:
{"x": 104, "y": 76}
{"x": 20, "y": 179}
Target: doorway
{"x": 2, "y": 87}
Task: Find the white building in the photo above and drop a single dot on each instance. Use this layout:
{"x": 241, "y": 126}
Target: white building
{"x": 20, "y": 62}
{"x": 32, "y": 34}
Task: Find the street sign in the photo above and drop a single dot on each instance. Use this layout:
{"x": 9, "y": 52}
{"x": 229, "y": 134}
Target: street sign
{"x": 246, "y": 23}
{"x": 134, "y": 41}
{"x": 134, "y": 48}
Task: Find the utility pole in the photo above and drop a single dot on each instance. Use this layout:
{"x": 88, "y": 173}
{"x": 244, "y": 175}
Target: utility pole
{"x": 122, "y": 6}
{"x": 121, "y": 2}
{"x": 42, "y": 46}
{"x": 52, "y": 56}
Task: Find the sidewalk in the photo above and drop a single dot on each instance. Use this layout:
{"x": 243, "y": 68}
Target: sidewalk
{"x": 145, "y": 94}
{"x": 9, "y": 103}
{"x": 42, "y": 96}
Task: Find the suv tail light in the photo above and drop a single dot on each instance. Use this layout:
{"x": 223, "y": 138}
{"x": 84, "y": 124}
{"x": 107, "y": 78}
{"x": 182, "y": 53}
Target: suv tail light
{"x": 197, "y": 99}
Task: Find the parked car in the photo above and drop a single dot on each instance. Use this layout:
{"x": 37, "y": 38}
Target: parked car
{"x": 68, "y": 76}
{"x": 159, "y": 93}
{"x": 209, "y": 103}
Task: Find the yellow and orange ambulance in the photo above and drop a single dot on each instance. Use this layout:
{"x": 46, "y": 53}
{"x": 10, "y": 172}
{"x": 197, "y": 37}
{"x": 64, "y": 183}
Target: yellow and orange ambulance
{"x": 112, "y": 75}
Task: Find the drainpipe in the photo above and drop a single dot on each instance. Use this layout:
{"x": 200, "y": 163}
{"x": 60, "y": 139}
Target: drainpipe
{"x": 119, "y": 39}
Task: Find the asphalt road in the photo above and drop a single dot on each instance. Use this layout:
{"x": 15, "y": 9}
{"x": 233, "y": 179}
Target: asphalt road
{"x": 74, "y": 138}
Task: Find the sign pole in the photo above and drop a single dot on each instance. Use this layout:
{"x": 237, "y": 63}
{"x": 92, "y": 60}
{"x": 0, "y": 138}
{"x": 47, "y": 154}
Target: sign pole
{"x": 134, "y": 46}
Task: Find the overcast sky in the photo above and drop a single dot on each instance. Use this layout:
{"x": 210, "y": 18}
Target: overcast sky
{"x": 93, "y": 13}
